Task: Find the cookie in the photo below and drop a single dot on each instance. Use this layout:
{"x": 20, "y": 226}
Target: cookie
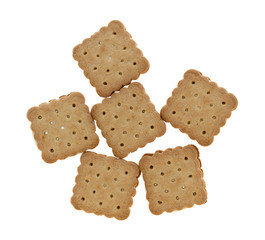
{"x": 63, "y": 127}
{"x": 173, "y": 179}
{"x": 105, "y": 185}
{"x": 110, "y": 59}
{"x": 128, "y": 120}
{"x": 199, "y": 107}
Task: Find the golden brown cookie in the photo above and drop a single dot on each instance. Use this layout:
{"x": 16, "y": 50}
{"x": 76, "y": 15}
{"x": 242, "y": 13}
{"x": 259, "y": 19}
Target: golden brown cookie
{"x": 199, "y": 107}
{"x": 128, "y": 120}
{"x": 63, "y": 127}
{"x": 110, "y": 59}
{"x": 173, "y": 179}
{"x": 105, "y": 185}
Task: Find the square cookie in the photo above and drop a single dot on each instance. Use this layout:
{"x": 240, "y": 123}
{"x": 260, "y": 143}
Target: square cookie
{"x": 63, "y": 127}
{"x": 110, "y": 59}
{"x": 199, "y": 107}
{"x": 128, "y": 120}
{"x": 105, "y": 185}
{"x": 173, "y": 179}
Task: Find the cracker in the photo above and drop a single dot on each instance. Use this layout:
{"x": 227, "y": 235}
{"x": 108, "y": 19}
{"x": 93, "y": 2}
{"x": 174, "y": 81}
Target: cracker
{"x": 199, "y": 107}
{"x": 173, "y": 179}
{"x": 105, "y": 185}
{"x": 110, "y": 59}
{"x": 128, "y": 120}
{"x": 63, "y": 127}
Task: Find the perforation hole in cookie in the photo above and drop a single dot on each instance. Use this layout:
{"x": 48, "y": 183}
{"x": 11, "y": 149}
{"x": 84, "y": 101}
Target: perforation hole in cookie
{"x": 126, "y": 172}
{"x": 118, "y": 207}
{"x": 85, "y": 53}
{"x": 194, "y": 193}
{"x": 166, "y": 191}
{"x": 168, "y": 162}
{"x": 134, "y": 63}
{"x": 87, "y": 181}
{"x": 46, "y": 133}
{"x": 190, "y": 176}
{"x": 183, "y": 97}
{"x": 52, "y": 150}
{"x": 95, "y": 68}
{"x": 122, "y": 60}
{"x": 208, "y": 92}
{"x": 98, "y": 174}
{"x": 188, "y": 122}
{"x": 57, "y": 139}
{"x": 115, "y": 179}
{"x": 213, "y": 117}
{"x": 211, "y": 105}
{"x": 39, "y": 117}
{"x": 111, "y": 195}
{"x": 152, "y": 126}
{"x": 85, "y": 137}
{"x": 124, "y": 132}
{"x": 122, "y": 189}
{"x": 105, "y": 83}
{"x": 56, "y": 110}
{"x": 120, "y": 73}
{"x": 159, "y": 202}
{"x": 196, "y": 95}
{"x": 83, "y": 199}
{"x": 136, "y": 135}
{"x": 114, "y": 33}
{"x": 131, "y": 107}
{"x": 134, "y": 95}
{"x": 201, "y": 119}
{"x": 151, "y": 166}
{"x": 183, "y": 186}
{"x": 108, "y": 168}
{"x": 177, "y": 197}
{"x": 143, "y": 111}
{"x": 73, "y": 105}
{"x": 99, "y": 42}
{"x": 162, "y": 173}
{"x": 97, "y": 55}
{"x": 121, "y": 144}
{"x": 74, "y": 132}
{"x": 112, "y": 129}
{"x": 186, "y": 158}
{"x": 155, "y": 184}
{"x": 80, "y": 121}
{"x": 223, "y": 103}
{"x": 193, "y": 82}
{"x": 67, "y": 116}
{"x": 124, "y": 48}
{"x": 179, "y": 169}
{"x": 173, "y": 112}
{"x": 94, "y": 191}
{"x": 186, "y": 109}
{"x": 100, "y": 203}
{"x": 107, "y": 70}
{"x": 116, "y": 116}
{"x": 103, "y": 113}
{"x": 68, "y": 144}
{"x": 118, "y": 104}
{"x": 140, "y": 123}
{"x": 203, "y": 132}
{"x": 172, "y": 180}
{"x": 91, "y": 164}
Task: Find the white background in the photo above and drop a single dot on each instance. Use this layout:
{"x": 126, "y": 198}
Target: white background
{"x": 222, "y": 39}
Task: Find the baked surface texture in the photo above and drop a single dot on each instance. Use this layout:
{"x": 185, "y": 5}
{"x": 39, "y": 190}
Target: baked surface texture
{"x": 173, "y": 179}
{"x": 199, "y": 107}
{"x": 128, "y": 120}
{"x": 105, "y": 185}
{"x": 110, "y": 59}
{"x": 63, "y": 127}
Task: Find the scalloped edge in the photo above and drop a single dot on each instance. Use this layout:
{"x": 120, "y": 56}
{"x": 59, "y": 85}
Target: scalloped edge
{"x": 92, "y": 82}
{"x": 56, "y": 100}
{"x": 109, "y": 99}
{"x": 134, "y": 186}
{"x": 197, "y": 162}
{"x": 181, "y": 129}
